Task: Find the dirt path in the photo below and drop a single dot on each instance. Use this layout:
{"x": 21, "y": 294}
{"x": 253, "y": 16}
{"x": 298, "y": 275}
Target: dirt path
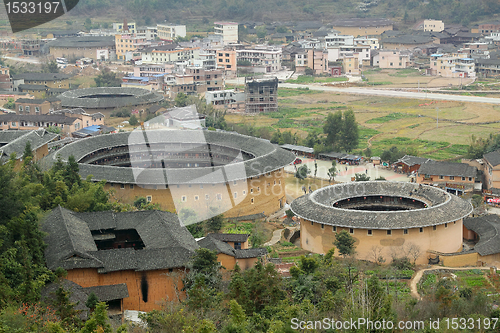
{"x": 416, "y": 278}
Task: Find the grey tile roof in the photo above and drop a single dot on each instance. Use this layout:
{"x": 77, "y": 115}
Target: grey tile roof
{"x": 361, "y": 22}
{"x": 167, "y": 243}
{"x": 493, "y": 158}
{"x": 41, "y": 76}
{"x": 268, "y": 158}
{"x": 447, "y": 169}
{"x": 230, "y": 237}
{"x": 298, "y": 148}
{"x": 59, "y": 119}
{"x": 412, "y": 160}
{"x": 32, "y": 87}
{"x": 250, "y": 217}
{"x": 250, "y": 253}
{"x": 116, "y": 97}
{"x": 488, "y": 229}
{"x": 109, "y": 292}
{"x": 9, "y": 135}
{"x": 213, "y": 244}
{"x": 17, "y": 143}
{"x": 30, "y": 101}
{"x": 318, "y": 206}
{"x": 106, "y": 41}
{"x": 77, "y": 295}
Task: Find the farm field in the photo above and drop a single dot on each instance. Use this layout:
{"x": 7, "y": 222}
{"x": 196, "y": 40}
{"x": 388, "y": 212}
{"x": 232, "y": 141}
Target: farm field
{"x": 434, "y": 129}
{"x": 409, "y": 78}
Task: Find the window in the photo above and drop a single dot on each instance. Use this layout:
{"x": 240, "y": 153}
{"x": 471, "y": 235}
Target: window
{"x": 405, "y": 231}
{"x": 334, "y": 229}
{"x": 196, "y": 198}
{"x": 446, "y": 225}
{"x": 389, "y": 232}
{"x": 131, "y": 186}
{"x": 122, "y": 186}
{"x": 27, "y": 109}
{"x": 237, "y": 245}
{"x": 201, "y": 186}
{"x": 219, "y": 196}
{"x": 312, "y": 223}
{"x": 258, "y": 189}
{"x": 183, "y": 198}
{"x": 470, "y": 179}
{"x": 244, "y": 192}
{"x": 21, "y": 108}
{"x": 452, "y": 177}
{"x": 149, "y": 198}
{"x": 251, "y": 201}
{"x": 251, "y": 190}
{"x": 433, "y": 227}
{"x": 322, "y": 226}
{"x": 369, "y": 232}
{"x": 351, "y": 230}
{"x": 37, "y": 109}
{"x": 421, "y": 229}
{"x": 463, "y": 178}
{"x": 207, "y": 197}
{"x": 441, "y": 177}
{"x": 112, "y": 185}
{"x": 235, "y": 195}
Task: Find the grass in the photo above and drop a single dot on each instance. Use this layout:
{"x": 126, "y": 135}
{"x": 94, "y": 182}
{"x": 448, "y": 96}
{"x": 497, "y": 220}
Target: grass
{"x": 421, "y": 146}
{"x": 378, "y": 83}
{"x": 302, "y": 79}
{"x": 389, "y": 117}
{"x": 284, "y": 92}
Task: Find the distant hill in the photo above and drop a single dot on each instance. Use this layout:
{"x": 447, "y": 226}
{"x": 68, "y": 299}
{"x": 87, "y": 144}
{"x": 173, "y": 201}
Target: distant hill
{"x": 464, "y": 12}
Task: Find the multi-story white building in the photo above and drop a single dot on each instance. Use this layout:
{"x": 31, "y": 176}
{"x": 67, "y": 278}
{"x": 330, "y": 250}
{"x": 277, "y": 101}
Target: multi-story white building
{"x": 334, "y": 39}
{"x": 118, "y": 27}
{"x": 152, "y": 70}
{"x": 317, "y": 60}
{"x": 228, "y": 30}
{"x": 168, "y": 54}
{"x": 433, "y": 25}
{"x": 267, "y": 58}
{"x": 225, "y": 97}
{"x": 170, "y": 32}
{"x": 336, "y": 53}
{"x": 452, "y": 65}
{"x": 371, "y": 42}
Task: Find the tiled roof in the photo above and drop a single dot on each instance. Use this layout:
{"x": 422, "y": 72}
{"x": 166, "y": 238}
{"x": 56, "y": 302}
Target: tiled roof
{"x": 488, "y": 229}
{"x": 214, "y": 244}
{"x": 41, "y": 76}
{"x": 168, "y": 244}
{"x": 72, "y": 42}
{"x": 412, "y": 160}
{"x": 494, "y": 157}
{"x": 268, "y": 157}
{"x": 231, "y": 237}
{"x": 17, "y": 141}
{"x": 78, "y": 98}
{"x": 30, "y": 101}
{"x": 55, "y": 118}
{"x": 109, "y": 292}
{"x": 32, "y": 87}
{"x": 447, "y": 169}
{"x": 318, "y": 206}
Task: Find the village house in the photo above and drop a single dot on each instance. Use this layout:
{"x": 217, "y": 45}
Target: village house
{"x": 169, "y": 32}
{"x": 14, "y": 142}
{"x": 317, "y": 60}
{"x": 492, "y": 169}
{"x": 452, "y": 65}
{"x": 456, "y": 178}
{"x": 228, "y": 31}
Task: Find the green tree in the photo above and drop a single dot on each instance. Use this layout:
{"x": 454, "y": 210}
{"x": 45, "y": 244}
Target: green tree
{"x": 71, "y": 173}
{"x": 332, "y": 171}
{"x": 261, "y": 32}
{"x": 98, "y": 321}
{"x": 50, "y": 67}
{"x": 344, "y": 243}
{"x": 361, "y": 177}
{"x": 350, "y": 132}
{"x": 333, "y": 129}
{"x": 11, "y": 105}
{"x": 368, "y": 152}
{"x": 140, "y": 202}
{"x": 92, "y": 301}
{"x": 302, "y": 172}
{"x": 133, "y": 120}
{"x": 107, "y": 78}
{"x": 214, "y": 224}
{"x": 181, "y": 100}
{"x": 237, "y": 319}
{"x": 28, "y": 152}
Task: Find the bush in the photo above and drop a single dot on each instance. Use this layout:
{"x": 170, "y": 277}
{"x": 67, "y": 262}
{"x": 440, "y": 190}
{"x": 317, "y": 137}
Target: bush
{"x": 402, "y": 263}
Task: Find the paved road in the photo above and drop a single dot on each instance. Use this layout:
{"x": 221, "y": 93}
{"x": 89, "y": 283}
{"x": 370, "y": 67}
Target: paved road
{"x": 394, "y": 93}
{"x": 276, "y": 237}
{"x": 30, "y": 60}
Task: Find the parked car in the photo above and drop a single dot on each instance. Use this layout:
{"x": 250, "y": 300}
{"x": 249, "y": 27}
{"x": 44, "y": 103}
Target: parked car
{"x": 297, "y": 161}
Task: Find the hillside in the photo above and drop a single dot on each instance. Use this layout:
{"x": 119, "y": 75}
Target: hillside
{"x": 465, "y": 12}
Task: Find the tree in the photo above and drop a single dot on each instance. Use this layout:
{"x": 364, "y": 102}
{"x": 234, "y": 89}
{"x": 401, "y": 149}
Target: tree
{"x": 350, "y": 132}
{"x": 332, "y": 171}
{"x": 333, "y": 129}
{"x": 302, "y": 172}
{"x": 214, "y": 224}
{"x": 181, "y": 100}
{"x": 98, "y": 321}
{"x": 50, "y": 67}
{"x": 368, "y": 152}
{"x": 71, "y": 173}
{"x": 27, "y": 151}
{"x": 309, "y": 71}
{"x": 344, "y": 243}
{"x": 261, "y": 32}
{"x": 11, "y": 105}
{"x": 107, "y": 78}
{"x": 315, "y": 168}
{"x": 133, "y": 120}
{"x": 361, "y": 177}
{"x": 92, "y": 301}
{"x": 282, "y": 29}
{"x": 477, "y": 200}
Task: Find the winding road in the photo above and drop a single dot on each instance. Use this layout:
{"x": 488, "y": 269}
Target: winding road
{"x": 394, "y": 93}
